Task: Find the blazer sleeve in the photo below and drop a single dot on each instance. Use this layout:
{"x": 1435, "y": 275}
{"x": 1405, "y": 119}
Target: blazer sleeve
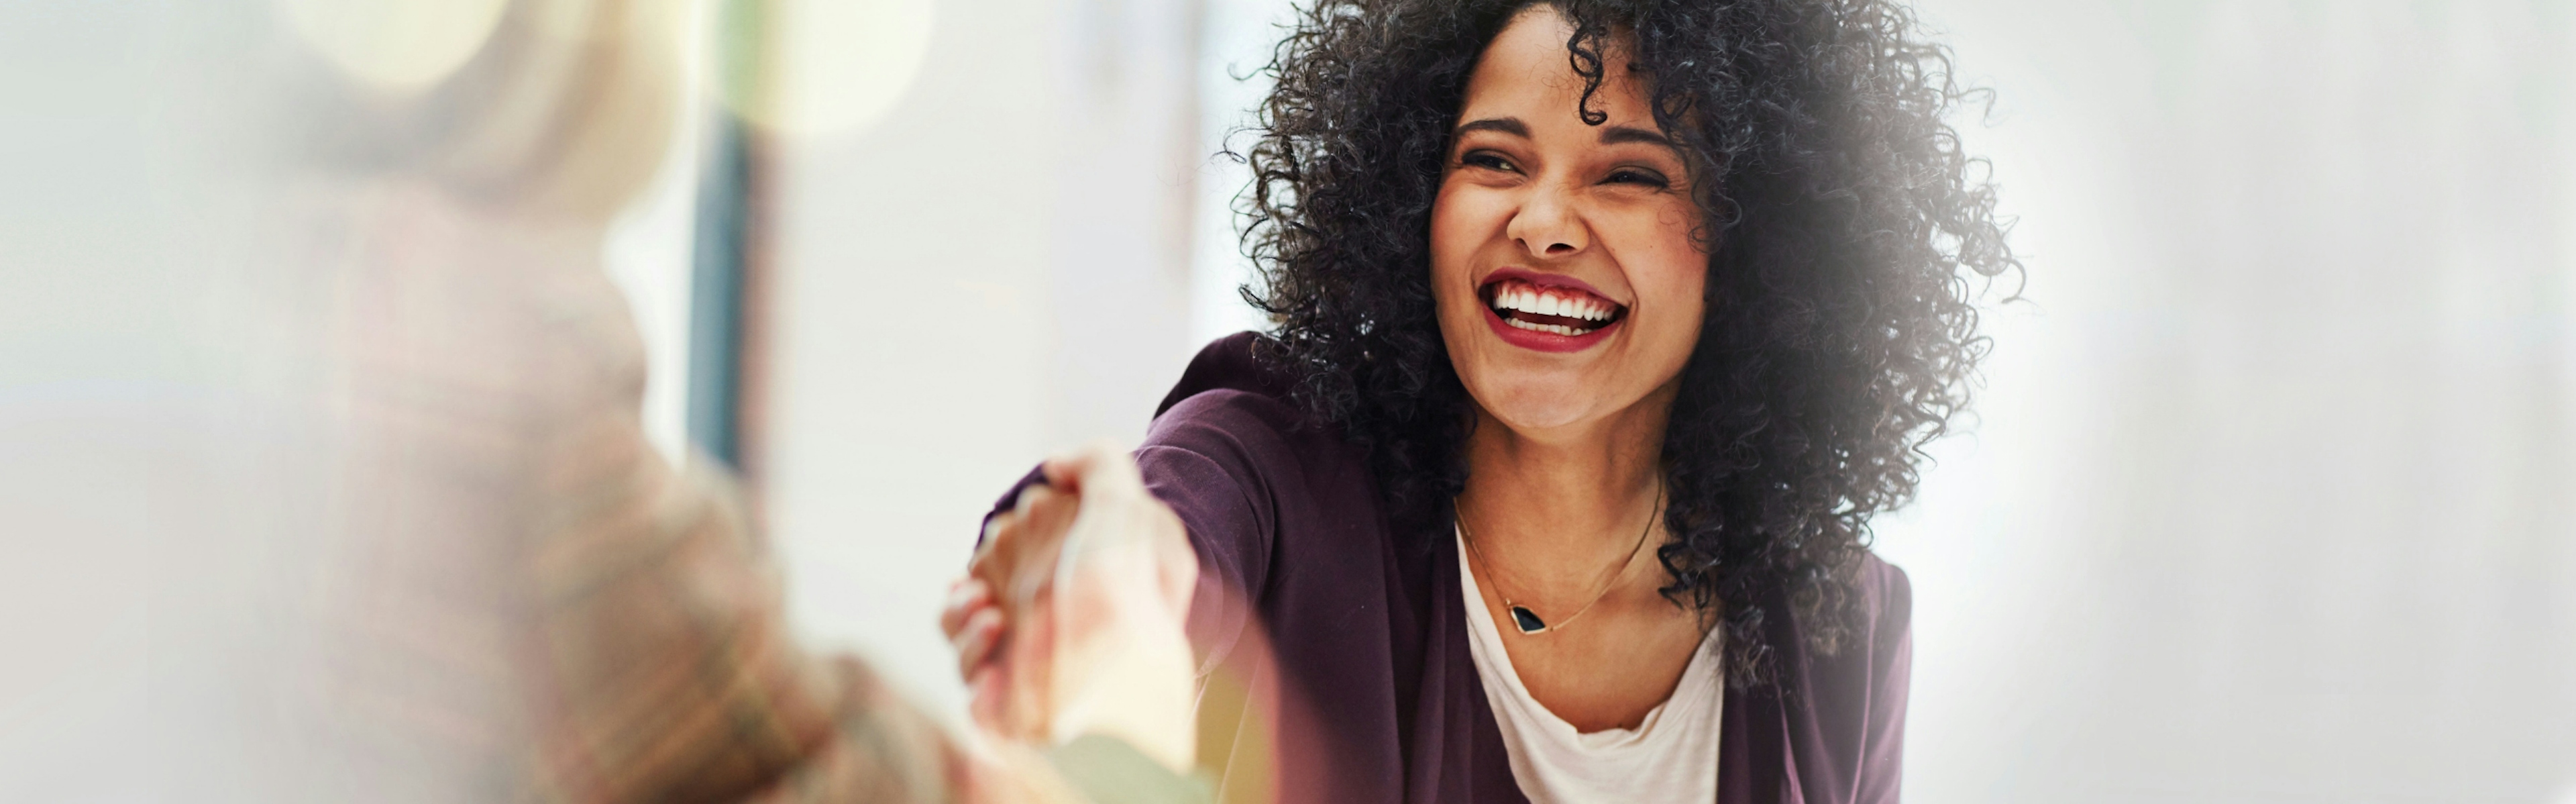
{"x": 1213, "y": 458}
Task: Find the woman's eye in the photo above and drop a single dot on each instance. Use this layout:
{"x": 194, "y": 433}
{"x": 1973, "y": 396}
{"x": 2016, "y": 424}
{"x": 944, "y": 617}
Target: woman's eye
{"x": 1485, "y": 159}
{"x": 1638, "y": 177}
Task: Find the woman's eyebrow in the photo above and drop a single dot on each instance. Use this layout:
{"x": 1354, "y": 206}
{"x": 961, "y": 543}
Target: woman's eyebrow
{"x": 1618, "y": 134}
{"x": 1507, "y": 125}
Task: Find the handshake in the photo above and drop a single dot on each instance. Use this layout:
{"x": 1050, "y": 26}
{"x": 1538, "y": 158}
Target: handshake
{"x": 1069, "y": 621}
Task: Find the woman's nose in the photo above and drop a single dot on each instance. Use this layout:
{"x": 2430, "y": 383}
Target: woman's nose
{"x": 1547, "y": 226}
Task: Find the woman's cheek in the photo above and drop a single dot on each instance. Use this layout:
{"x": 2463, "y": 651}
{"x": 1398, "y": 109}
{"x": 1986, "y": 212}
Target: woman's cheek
{"x": 1448, "y": 254}
{"x": 1673, "y": 278}
{"x": 1464, "y": 220}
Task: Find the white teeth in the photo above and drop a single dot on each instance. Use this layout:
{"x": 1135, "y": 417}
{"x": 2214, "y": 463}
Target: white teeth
{"x": 1530, "y": 300}
{"x": 1552, "y": 329}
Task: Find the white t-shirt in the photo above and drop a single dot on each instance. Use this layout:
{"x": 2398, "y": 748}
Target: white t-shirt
{"x": 1670, "y": 757}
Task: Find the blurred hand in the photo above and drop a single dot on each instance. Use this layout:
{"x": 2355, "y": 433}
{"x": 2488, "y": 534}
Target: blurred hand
{"x": 1071, "y": 619}
{"x": 1012, "y": 582}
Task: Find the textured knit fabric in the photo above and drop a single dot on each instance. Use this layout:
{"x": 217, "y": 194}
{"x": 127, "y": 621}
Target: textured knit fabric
{"x": 1363, "y": 687}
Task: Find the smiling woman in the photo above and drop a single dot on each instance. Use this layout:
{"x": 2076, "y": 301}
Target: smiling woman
{"x": 1554, "y": 282}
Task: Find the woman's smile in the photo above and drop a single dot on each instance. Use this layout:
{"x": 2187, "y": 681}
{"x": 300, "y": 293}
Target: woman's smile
{"x": 1546, "y": 312}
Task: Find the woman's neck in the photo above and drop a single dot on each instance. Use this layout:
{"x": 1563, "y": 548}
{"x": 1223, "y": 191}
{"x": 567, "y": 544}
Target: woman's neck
{"x": 1566, "y": 503}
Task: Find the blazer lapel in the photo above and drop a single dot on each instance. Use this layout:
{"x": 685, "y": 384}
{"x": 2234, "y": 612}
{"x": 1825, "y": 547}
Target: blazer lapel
{"x": 1753, "y": 749}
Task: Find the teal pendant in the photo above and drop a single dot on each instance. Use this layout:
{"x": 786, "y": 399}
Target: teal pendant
{"x": 1527, "y": 620}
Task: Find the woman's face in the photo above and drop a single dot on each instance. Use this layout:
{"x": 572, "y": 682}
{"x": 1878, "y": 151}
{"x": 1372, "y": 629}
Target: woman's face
{"x": 1562, "y": 260}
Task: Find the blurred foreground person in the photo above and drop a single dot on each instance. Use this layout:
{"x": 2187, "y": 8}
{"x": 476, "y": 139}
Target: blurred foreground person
{"x": 525, "y": 601}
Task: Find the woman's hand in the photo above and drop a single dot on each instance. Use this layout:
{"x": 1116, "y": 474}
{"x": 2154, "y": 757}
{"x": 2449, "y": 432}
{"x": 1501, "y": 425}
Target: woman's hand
{"x": 1071, "y": 619}
{"x": 1012, "y": 580}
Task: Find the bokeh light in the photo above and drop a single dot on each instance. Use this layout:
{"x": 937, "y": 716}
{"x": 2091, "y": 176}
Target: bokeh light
{"x": 394, "y": 45}
{"x": 818, "y": 67}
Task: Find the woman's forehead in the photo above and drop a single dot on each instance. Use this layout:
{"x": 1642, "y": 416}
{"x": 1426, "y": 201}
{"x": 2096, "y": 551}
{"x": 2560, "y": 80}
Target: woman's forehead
{"x": 1528, "y": 68}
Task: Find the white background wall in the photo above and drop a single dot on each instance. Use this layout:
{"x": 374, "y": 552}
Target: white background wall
{"x": 993, "y": 270}
{"x": 2271, "y": 499}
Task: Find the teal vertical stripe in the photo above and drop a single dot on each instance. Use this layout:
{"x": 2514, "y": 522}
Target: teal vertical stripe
{"x": 715, "y": 298}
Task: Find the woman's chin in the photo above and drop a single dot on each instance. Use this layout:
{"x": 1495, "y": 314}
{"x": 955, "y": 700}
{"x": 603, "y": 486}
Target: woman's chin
{"x": 1535, "y": 411}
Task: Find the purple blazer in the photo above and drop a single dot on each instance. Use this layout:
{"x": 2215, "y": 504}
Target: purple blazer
{"x": 1366, "y": 634}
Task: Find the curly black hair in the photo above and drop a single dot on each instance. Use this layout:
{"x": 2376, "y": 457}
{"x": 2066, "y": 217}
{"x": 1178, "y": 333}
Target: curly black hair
{"x": 1843, "y": 219}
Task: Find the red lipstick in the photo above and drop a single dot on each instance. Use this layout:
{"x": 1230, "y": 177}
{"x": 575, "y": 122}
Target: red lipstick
{"x": 1547, "y": 312}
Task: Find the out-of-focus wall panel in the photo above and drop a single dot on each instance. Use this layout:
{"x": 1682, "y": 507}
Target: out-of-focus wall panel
{"x": 140, "y": 362}
{"x": 2271, "y": 498}
{"x": 1124, "y": 139}
{"x": 994, "y": 270}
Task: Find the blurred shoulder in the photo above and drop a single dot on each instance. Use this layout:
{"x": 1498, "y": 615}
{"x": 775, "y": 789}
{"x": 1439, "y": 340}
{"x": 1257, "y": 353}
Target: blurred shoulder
{"x": 1887, "y": 596}
{"x": 1231, "y": 392}
{"x": 1233, "y": 406}
{"x": 1236, "y": 363}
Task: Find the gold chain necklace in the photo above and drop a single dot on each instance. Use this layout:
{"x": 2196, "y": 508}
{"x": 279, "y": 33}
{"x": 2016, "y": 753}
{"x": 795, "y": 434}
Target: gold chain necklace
{"x": 1528, "y": 621}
